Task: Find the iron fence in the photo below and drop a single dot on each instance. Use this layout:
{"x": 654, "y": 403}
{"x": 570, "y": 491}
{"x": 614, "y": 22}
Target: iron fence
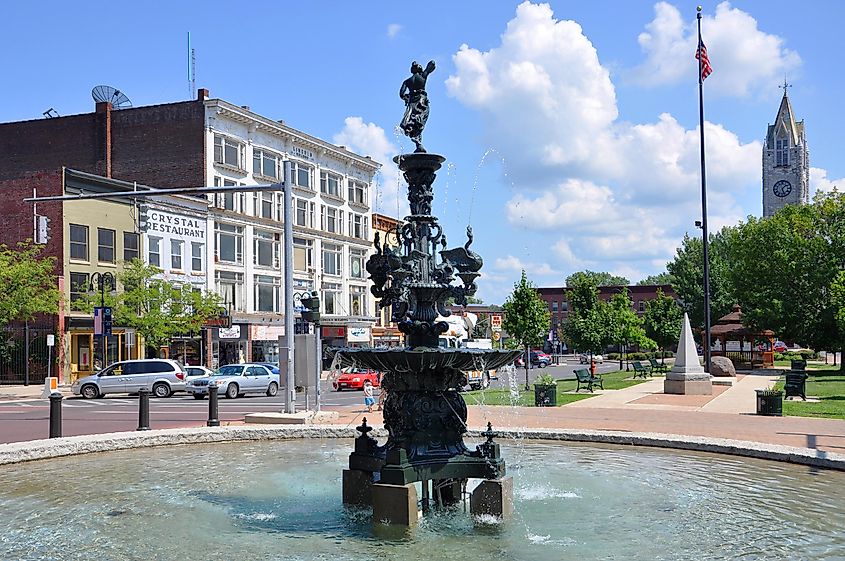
{"x": 23, "y": 354}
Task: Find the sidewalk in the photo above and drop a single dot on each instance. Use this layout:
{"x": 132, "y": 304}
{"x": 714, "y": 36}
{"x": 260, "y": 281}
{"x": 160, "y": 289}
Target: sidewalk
{"x": 33, "y": 391}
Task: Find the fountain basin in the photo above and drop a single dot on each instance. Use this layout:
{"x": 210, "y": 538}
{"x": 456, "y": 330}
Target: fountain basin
{"x": 280, "y": 500}
{"x": 424, "y": 359}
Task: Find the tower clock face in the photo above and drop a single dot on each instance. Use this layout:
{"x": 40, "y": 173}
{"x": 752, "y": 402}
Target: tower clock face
{"x": 782, "y": 188}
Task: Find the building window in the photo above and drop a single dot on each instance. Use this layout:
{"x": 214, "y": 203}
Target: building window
{"x": 266, "y": 249}
{"x": 196, "y": 257}
{"x": 357, "y": 192}
{"x": 265, "y": 163}
{"x": 230, "y": 243}
{"x": 176, "y": 254}
{"x": 78, "y": 286}
{"x": 564, "y": 306}
{"x": 265, "y": 205}
{"x": 330, "y": 183}
{"x": 230, "y": 287}
{"x": 331, "y": 259}
{"x": 331, "y": 220}
{"x": 331, "y": 299}
{"x": 554, "y": 306}
{"x": 267, "y": 291}
{"x": 302, "y": 174}
{"x": 105, "y": 245}
{"x": 304, "y": 213}
{"x": 357, "y": 300}
{"x": 356, "y": 263}
{"x": 303, "y": 251}
{"x": 641, "y": 306}
{"x": 358, "y": 226}
{"x": 131, "y": 246}
{"x": 782, "y": 152}
{"x": 236, "y": 202}
{"x": 79, "y": 242}
{"x": 227, "y": 151}
{"x": 154, "y": 251}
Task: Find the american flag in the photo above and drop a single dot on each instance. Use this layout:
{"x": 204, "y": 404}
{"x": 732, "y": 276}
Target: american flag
{"x": 704, "y": 64}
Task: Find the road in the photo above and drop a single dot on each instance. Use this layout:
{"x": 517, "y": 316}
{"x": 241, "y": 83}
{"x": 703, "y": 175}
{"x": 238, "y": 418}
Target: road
{"x": 29, "y": 419}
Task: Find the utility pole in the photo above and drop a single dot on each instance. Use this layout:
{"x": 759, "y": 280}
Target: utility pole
{"x": 290, "y": 390}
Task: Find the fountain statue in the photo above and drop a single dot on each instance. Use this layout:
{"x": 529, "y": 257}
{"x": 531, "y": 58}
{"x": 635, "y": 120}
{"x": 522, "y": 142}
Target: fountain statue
{"x": 424, "y": 413}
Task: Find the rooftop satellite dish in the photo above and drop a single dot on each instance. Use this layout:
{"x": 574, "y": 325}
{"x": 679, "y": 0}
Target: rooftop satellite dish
{"x": 114, "y": 96}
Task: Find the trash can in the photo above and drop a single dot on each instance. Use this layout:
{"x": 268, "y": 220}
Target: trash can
{"x": 799, "y": 364}
{"x": 545, "y": 395}
{"x": 796, "y": 383}
{"x": 770, "y": 403}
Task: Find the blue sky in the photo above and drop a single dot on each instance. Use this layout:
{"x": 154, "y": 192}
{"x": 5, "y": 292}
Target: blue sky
{"x": 570, "y": 128}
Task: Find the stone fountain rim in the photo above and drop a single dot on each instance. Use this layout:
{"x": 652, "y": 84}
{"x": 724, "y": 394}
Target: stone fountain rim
{"x": 19, "y": 452}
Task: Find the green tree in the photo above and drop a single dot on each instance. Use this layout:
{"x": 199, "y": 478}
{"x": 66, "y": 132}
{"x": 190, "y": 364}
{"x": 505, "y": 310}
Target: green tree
{"x": 687, "y": 272}
{"x": 527, "y": 318}
{"x": 157, "y": 308}
{"x": 597, "y": 278}
{"x": 785, "y": 271}
{"x": 659, "y": 278}
{"x": 626, "y": 326}
{"x": 662, "y": 321}
{"x": 588, "y": 326}
{"x": 29, "y": 282}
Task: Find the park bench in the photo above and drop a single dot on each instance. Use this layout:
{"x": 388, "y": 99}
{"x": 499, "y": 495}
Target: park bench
{"x": 587, "y": 379}
{"x": 658, "y": 367}
{"x": 640, "y": 370}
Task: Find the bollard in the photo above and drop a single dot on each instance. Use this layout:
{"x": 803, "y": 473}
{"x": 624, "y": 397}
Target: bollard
{"x": 56, "y": 415}
{"x": 213, "y": 420}
{"x": 144, "y": 409}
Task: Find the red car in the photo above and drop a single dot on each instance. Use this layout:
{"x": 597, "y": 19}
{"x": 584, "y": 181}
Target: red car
{"x": 354, "y": 378}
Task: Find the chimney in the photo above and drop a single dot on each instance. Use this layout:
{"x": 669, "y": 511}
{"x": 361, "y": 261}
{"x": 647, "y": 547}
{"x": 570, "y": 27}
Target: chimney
{"x": 202, "y": 94}
{"x": 102, "y": 116}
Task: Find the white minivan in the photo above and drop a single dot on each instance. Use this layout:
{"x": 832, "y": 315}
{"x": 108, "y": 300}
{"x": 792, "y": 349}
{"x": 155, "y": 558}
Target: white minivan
{"x": 160, "y": 376}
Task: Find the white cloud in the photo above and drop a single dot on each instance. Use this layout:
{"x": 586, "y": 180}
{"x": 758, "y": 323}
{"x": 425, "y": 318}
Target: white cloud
{"x": 603, "y": 193}
{"x": 820, "y": 182}
{"x": 744, "y": 58}
{"x": 514, "y": 264}
{"x": 369, "y": 139}
{"x": 393, "y": 30}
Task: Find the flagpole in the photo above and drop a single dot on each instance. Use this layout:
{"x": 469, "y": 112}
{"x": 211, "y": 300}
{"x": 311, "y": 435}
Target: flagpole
{"x": 706, "y": 341}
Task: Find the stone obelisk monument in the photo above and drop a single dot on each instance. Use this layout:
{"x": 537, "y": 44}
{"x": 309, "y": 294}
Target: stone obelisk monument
{"x": 687, "y": 376}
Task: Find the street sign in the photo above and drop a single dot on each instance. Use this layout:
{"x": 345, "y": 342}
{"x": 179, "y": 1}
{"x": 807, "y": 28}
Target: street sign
{"x": 51, "y": 340}
{"x": 223, "y": 320}
{"x": 497, "y": 335}
{"x": 107, "y": 321}
{"x": 496, "y": 322}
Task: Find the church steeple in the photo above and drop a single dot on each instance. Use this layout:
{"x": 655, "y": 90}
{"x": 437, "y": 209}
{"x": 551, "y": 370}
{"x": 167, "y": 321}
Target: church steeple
{"x": 786, "y": 162}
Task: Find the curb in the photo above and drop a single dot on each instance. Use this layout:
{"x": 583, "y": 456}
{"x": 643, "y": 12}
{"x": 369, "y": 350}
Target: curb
{"x": 18, "y": 452}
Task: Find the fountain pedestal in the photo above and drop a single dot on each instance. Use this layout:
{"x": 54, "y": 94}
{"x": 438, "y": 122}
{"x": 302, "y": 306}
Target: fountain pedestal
{"x": 395, "y": 504}
{"x": 493, "y": 497}
{"x": 357, "y": 487}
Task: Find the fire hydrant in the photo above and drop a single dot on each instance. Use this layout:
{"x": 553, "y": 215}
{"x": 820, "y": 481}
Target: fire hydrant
{"x": 592, "y": 367}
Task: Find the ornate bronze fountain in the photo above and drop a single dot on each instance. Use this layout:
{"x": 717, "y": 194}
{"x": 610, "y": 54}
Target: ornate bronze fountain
{"x": 412, "y": 272}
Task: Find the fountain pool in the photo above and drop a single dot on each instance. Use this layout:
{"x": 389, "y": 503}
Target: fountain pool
{"x": 281, "y": 500}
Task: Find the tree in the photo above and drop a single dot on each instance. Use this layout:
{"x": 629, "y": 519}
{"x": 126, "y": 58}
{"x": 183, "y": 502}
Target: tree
{"x": 527, "y": 318}
{"x": 659, "y": 278}
{"x": 588, "y": 325}
{"x": 662, "y": 321}
{"x": 157, "y": 308}
{"x": 29, "y": 283}
{"x": 597, "y": 278}
{"x": 626, "y": 325}
{"x": 785, "y": 271}
{"x": 687, "y": 272}
{"x": 837, "y": 292}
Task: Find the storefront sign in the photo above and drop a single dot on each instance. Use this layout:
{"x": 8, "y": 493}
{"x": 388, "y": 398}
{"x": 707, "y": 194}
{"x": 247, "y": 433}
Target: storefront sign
{"x": 266, "y": 332}
{"x": 233, "y": 332}
{"x": 300, "y": 152}
{"x": 334, "y": 332}
{"x": 224, "y": 321}
{"x": 496, "y": 322}
{"x": 178, "y": 226}
{"x": 359, "y": 335}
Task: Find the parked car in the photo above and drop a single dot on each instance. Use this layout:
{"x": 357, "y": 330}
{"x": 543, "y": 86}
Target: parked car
{"x": 160, "y": 376}
{"x": 779, "y": 347}
{"x": 234, "y": 380}
{"x": 354, "y": 378}
{"x": 272, "y": 366}
{"x": 538, "y": 359}
{"x": 192, "y": 372}
{"x": 584, "y": 358}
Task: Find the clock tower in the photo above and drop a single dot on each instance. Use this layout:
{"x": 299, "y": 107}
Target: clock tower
{"x": 786, "y": 161}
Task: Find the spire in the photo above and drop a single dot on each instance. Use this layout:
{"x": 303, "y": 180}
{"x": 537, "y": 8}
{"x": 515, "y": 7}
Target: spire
{"x": 785, "y": 121}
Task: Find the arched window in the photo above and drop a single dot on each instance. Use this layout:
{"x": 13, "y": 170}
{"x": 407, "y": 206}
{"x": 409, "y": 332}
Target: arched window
{"x": 781, "y": 151}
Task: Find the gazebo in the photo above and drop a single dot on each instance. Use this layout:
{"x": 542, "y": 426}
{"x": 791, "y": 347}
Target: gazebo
{"x": 745, "y": 347}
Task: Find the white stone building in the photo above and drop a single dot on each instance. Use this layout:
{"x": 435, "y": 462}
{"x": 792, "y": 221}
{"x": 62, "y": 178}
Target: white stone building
{"x": 786, "y": 161}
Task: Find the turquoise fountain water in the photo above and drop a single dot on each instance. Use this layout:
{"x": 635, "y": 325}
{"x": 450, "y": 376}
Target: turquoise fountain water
{"x": 281, "y": 500}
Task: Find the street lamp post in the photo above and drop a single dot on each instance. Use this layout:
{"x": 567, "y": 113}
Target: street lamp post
{"x": 102, "y": 281}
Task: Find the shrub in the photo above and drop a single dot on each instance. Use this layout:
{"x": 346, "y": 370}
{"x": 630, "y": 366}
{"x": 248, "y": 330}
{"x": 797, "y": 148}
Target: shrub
{"x": 544, "y": 380}
{"x": 613, "y": 356}
{"x": 807, "y": 354}
{"x": 637, "y": 356}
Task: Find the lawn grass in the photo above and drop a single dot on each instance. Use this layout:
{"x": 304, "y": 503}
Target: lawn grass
{"x": 502, "y": 396}
{"x": 810, "y": 365}
{"x": 829, "y": 388}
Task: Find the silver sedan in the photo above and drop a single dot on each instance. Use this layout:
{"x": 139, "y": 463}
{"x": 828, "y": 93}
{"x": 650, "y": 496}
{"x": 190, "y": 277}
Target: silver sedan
{"x": 234, "y": 380}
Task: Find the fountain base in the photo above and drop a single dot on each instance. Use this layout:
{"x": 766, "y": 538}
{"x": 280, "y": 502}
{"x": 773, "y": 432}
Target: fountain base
{"x": 493, "y": 497}
{"x": 395, "y": 504}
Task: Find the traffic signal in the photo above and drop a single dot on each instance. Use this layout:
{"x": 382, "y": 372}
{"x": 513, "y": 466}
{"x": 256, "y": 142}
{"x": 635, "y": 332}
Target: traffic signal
{"x": 311, "y": 303}
{"x": 42, "y": 232}
{"x": 143, "y": 217}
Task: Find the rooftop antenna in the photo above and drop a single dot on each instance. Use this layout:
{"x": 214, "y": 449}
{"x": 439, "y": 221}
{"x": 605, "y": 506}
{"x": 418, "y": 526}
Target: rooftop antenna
{"x": 51, "y": 113}
{"x": 111, "y": 95}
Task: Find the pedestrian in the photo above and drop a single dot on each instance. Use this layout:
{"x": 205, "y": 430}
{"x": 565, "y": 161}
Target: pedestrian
{"x": 369, "y": 400}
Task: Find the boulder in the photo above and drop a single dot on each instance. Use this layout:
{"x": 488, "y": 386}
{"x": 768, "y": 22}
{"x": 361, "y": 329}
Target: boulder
{"x": 722, "y": 367}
